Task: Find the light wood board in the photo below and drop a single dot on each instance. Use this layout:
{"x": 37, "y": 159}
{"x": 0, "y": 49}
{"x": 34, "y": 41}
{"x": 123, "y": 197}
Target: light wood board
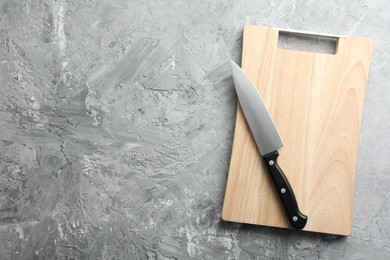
{"x": 316, "y": 102}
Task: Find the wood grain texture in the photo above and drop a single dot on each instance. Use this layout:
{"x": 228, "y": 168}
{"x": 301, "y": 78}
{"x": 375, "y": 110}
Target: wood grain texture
{"x": 316, "y": 102}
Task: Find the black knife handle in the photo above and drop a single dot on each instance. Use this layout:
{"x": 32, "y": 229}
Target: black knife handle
{"x": 286, "y": 194}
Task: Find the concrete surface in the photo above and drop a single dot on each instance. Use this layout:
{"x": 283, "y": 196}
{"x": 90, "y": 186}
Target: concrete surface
{"x": 116, "y": 125}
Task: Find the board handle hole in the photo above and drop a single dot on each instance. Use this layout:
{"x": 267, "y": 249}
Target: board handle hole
{"x": 307, "y": 42}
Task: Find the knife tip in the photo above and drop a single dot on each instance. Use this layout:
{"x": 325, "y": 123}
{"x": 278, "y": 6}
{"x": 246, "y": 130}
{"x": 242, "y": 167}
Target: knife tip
{"x": 232, "y": 63}
{"x": 234, "y": 67}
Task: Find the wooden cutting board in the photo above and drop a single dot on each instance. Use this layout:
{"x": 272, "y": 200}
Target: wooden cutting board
{"x": 316, "y": 102}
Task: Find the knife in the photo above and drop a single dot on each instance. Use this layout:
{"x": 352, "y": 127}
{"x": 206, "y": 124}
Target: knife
{"x": 268, "y": 142}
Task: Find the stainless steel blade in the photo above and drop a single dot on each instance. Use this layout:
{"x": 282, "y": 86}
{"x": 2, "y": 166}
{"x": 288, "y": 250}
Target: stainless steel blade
{"x": 259, "y": 120}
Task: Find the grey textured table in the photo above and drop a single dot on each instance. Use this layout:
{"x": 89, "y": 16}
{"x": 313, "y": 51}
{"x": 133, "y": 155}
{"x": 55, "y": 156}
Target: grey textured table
{"x": 116, "y": 125}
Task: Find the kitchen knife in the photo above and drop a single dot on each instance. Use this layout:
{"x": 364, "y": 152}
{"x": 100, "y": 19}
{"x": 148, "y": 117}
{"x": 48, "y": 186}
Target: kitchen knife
{"x": 268, "y": 141}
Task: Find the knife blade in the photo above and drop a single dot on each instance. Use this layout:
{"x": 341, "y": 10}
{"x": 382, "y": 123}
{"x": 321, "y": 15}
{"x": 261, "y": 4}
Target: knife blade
{"x": 268, "y": 142}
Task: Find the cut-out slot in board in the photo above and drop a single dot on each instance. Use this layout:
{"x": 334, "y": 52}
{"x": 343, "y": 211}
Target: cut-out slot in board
{"x": 307, "y": 42}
